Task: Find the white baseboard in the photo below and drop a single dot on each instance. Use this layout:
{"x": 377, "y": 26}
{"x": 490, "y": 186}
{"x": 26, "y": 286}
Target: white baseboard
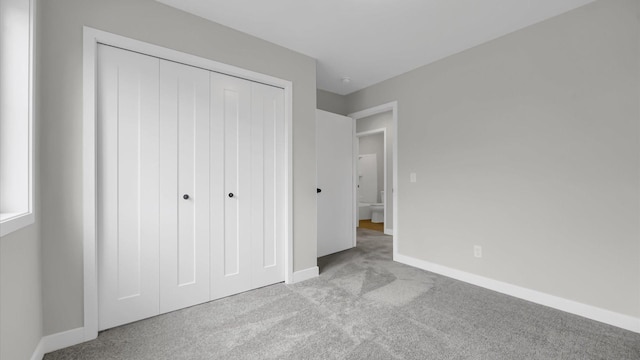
{"x": 38, "y": 353}
{"x": 588, "y": 311}
{"x": 58, "y": 341}
{"x": 305, "y": 274}
{"x": 388, "y": 231}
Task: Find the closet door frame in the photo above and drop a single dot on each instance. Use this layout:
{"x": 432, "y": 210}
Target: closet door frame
{"x": 91, "y": 39}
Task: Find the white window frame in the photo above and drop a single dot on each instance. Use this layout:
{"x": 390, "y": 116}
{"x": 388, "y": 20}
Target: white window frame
{"x": 13, "y": 221}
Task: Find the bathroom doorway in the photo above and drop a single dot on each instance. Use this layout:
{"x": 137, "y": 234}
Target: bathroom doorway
{"x": 375, "y": 147}
{"x": 371, "y": 179}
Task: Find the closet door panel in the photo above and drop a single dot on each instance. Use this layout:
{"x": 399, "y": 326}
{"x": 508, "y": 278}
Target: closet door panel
{"x": 267, "y": 184}
{"x": 230, "y": 190}
{"x": 127, "y": 186}
{"x": 191, "y": 185}
{"x": 184, "y": 182}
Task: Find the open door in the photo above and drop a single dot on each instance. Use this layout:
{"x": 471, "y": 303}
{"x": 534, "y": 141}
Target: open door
{"x": 335, "y": 179}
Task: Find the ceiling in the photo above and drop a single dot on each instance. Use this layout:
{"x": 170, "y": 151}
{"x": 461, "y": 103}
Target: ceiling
{"x": 370, "y": 41}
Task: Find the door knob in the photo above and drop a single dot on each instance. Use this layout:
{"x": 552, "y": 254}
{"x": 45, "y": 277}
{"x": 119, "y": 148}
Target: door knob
{"x": 230, "y": 195}
{"x": 185, "y": 196}
{"x": 318, "y": 191}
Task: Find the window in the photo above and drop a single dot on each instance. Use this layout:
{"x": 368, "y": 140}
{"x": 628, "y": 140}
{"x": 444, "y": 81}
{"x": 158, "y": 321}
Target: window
{"x": 16, "y": 54}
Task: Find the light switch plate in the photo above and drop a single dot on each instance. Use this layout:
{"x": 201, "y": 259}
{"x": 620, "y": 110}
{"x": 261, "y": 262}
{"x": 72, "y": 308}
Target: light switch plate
{"x": 412, "y": 177}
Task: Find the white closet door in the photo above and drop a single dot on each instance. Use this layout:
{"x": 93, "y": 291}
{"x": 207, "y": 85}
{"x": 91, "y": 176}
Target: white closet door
{"x": 128, "y": 186}
{"x": 230, "y": 185}
{"x": 191, "y": 186}
{"x": 267, "y": 184}
{"x": 184, "y": 186}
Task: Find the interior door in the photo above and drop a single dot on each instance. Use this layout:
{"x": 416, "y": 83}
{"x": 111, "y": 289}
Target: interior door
{"x": 128, "y": 188}
{"x": 335, "y": 179}
{"x": 184, "y": 186}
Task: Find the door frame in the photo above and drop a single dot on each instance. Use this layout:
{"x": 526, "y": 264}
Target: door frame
{"x": 393, "y": 107}
{"x": 91, "y": 39}
{"x": 383, "y": 131}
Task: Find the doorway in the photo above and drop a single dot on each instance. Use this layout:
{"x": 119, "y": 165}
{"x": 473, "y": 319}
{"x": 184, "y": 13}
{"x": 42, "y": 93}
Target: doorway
{"x": 372, "y": 173}
{"x": 382, "y": 119}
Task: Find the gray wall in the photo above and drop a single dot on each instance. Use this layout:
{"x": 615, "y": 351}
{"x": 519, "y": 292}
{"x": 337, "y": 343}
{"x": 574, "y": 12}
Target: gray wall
{"x": 383, "y": 121}
{"x": 528, "y": 146}
{"x": 61, "y": 115}
{"x": 20, "y": 293}
{"x": 21, "y": 275}
{"x": 331, "y": 102}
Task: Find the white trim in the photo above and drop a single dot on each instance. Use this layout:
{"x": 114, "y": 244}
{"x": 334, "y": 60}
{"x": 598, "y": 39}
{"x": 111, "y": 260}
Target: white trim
{"x": 63, "y": 339}
{"x": 375, "y": 110}
{"x": 14, "y": 222}
{"x": 388, "y": 231}
{"x": 89, "y": 177}
{"x": 29, "y": 216}
{"x": 355, "y": 150}
{"x": 371, "y": 132}
{"x": 288, "y": 179}
{"x": 588, "y": 311}
{"x": 58, "y": 341}
{"x": 305, "y": 274}
{"x": 91, "y": 39}
{"x": 393, "y": 107}
{"x": 38, "y": 353}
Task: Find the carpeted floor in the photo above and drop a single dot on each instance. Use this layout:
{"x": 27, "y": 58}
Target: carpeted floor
{"x": 363, "y": 306}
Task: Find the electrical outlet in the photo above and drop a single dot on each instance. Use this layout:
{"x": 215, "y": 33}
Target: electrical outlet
{"x": 477, "y": 251}
{"x": 412, "y": 177}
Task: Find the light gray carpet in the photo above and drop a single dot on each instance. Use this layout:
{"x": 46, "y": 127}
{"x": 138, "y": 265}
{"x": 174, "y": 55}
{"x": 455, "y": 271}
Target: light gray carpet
{"x": 363, "y": 306}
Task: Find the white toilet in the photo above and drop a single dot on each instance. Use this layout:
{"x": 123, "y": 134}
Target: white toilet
{"x": 377, "y": 210}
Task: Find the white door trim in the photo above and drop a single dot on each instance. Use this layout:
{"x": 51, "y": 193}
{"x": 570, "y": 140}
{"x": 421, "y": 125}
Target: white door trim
{"x": 91, "y": 39}
{"x": 355, "y": 170}
{"x": 393, "y": 107}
